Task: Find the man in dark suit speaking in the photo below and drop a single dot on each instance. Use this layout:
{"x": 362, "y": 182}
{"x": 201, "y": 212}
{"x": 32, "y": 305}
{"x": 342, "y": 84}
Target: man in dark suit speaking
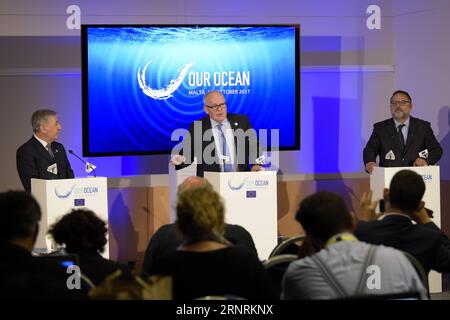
{"x": 221, "y": 141}
{"x": 403, "y": 140}
{"x": 41, "y": 157}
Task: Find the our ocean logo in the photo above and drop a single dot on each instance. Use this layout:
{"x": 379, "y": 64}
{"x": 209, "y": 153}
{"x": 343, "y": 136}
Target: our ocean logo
{"x": 167, "y": 91}
{"x": 236, "y": 82}
{"x": 63, "y": 192}
{"x": 235, "y": 184}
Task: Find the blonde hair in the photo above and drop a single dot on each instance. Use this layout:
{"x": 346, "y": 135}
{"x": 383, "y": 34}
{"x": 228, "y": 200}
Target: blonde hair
{"x": 200, "y": 215}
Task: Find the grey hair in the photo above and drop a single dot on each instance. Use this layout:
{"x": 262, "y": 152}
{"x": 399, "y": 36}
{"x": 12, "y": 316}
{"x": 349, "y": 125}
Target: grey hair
{"x": 209, "y": 93}
{"x": 39, "y": 117}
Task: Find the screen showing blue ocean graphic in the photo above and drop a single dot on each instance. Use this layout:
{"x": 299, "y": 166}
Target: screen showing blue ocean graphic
{"x": 140, "y": 83}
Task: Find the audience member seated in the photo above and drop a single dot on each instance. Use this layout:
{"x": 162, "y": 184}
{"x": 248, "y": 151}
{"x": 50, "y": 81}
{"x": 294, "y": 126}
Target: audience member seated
{"x": 22, "y": 275}
{"x": 423, "y": 240}
{"x": 84, "y": 234}
{"x": 168, "y": 239}
{"x": 205, "y": 264}
{"x": 342, "y": 266}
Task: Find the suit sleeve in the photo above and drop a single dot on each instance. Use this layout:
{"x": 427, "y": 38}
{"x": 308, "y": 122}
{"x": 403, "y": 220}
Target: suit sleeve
{"x": 433, "y": 146}
{"x": 372, "y": 149}
{"x": 188, "y": 148}
{"x": 26, "y": 167}
{"x": 254, "y": 148}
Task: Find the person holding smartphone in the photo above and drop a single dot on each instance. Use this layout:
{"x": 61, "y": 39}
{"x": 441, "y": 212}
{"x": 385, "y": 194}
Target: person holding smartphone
{"x": 396, "y": 228}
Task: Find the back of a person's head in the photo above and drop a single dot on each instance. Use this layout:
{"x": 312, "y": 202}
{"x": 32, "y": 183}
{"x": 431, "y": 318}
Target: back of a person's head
{"x": 194, "y": 182}
{"x": 406, "y": 190}
{"x": 81, "y": 231}
{"x": 20, "y": 215}
{"x": 200, "y": 214}
{"x": 323, "y": 215}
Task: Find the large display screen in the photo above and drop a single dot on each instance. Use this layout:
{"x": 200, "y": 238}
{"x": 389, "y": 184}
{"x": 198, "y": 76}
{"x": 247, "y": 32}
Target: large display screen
{"x": 140, "y": 83}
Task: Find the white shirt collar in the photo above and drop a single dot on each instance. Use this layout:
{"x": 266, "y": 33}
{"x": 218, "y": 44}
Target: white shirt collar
{"x": 214, "y": 123}
{"x": 395, "y": 214}
{"x": 406, "y": 123}
{"x": 44, "y": 143}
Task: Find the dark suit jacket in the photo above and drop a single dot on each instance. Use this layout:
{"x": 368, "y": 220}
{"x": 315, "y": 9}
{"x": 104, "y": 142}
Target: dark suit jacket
{"x": 33, "y": 160}
{"x": 425, "y": 242}
{"x": 384, "y": 138}
{"x": 23, "y": 276}
{"x": 237, "y": 121}
{"x": 166, "y": 239}
{"x": 97, "y": 268}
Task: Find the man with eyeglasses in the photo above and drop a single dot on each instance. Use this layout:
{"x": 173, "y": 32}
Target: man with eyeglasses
{"x": 403, "y": 140}
{"x": 222, "y": 147}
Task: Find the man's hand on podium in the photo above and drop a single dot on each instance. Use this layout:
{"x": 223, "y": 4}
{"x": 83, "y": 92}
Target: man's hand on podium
{"x": 177, "y": 160}
{"x": 257, "y": 167}
{"x": 420, "y": 162}
{"x": 370, "y": 166}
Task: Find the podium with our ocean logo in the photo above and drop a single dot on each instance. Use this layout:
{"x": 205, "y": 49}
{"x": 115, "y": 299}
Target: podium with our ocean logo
{"x": 381, "y": 178}
{"x": 58, "y": 197}
{"x": 250, "y": 201}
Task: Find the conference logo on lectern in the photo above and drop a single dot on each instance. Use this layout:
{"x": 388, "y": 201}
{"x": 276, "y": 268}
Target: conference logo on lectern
{"x": 235, "y": 184}
{"x": 427, "y": 178}
{"x": 63, "y": 192}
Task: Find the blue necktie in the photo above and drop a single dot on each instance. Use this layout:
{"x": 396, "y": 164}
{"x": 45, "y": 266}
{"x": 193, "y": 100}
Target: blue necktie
{"x": 227, "y": 166}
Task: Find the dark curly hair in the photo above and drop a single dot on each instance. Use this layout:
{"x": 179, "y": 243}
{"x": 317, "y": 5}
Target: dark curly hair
{"x": 81, "y": 230}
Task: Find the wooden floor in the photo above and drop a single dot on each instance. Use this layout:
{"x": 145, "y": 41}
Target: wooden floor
{"x": 441, "y": 296}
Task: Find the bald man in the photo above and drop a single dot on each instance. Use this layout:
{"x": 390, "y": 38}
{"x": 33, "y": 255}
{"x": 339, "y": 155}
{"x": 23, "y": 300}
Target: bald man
{"x": 227, "y": 150}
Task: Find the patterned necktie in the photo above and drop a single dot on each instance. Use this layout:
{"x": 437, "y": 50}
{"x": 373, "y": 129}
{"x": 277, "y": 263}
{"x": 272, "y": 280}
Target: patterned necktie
{"x": 49, "y": 149}
{"x": 227, "y": 165}
{"x": 401, "y": 137}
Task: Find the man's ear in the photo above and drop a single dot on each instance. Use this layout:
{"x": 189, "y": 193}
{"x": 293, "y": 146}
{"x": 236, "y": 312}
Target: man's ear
{"x": 386, "y": 194}
{"x": 420, "y": 206}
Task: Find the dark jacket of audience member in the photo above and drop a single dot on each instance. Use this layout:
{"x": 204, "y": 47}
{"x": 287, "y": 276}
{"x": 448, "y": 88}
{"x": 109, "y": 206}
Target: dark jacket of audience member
{"x": 167, "y": 239}
{"x": 23, "y": 276}
{"x": 424, "y": 240}
{"x": 84, "y": 234}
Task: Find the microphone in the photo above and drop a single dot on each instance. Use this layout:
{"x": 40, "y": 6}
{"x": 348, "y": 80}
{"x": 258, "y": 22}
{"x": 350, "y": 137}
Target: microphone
{"x": 89, "y": 166}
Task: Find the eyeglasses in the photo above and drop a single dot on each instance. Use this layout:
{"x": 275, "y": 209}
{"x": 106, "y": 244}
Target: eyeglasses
{"x": 217, "y": 106}
{"x": 400, "y": 103}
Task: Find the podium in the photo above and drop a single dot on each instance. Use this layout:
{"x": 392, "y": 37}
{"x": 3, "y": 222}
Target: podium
{"x": 58, "y": 197}
{"x": 381, "y": 178}
{"x": 250, "y": 201}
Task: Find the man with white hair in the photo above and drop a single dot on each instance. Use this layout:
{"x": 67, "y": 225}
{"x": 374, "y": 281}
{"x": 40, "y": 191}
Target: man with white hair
{"x": 42, "y": 157}
{"x": 221, "y": 141}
